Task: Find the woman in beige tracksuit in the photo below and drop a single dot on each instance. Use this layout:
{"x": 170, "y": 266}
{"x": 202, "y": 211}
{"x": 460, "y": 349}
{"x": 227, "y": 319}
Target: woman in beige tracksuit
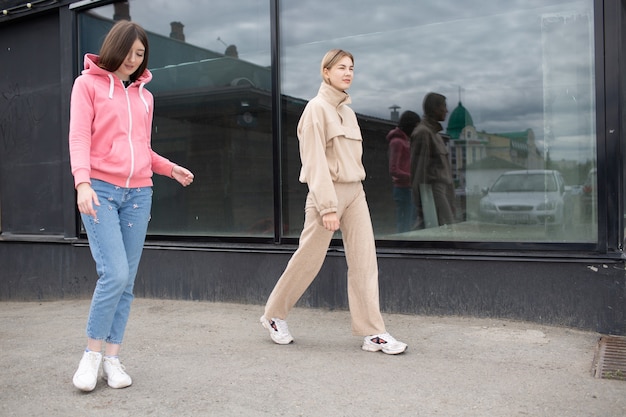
{"x": 331, "y": 150}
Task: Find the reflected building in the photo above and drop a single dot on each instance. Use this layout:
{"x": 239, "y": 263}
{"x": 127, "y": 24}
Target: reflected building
{"x": 471, "y": 148}
{"x": 214, "y": 111}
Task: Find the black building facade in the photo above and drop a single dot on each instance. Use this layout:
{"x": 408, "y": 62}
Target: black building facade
{"x": 542, "y": 80}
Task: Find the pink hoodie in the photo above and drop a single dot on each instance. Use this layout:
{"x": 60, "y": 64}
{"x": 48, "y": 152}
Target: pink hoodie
{"x": 110, "y": 129}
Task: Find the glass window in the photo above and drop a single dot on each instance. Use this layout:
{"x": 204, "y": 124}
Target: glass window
{"x": 210, "y": 63}
{"x": 518, "y": 77}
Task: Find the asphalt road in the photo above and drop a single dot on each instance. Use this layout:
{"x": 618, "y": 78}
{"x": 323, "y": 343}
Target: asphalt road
{"x": 212, "y": 359}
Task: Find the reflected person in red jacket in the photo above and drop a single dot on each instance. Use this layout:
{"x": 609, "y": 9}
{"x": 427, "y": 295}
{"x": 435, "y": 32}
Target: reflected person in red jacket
{"x": 400, "y": 169}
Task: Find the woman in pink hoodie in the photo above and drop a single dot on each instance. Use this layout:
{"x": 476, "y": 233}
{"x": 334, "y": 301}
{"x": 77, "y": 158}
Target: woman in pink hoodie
{"x": 112, "y": 162}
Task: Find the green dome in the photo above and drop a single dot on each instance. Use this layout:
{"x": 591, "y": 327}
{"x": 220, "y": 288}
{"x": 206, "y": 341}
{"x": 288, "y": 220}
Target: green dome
{"x": 459, "y": 118}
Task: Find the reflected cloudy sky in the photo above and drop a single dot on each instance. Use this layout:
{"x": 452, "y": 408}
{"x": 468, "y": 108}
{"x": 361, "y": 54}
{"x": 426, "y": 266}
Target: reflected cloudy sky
{"x": 515, "y": 64}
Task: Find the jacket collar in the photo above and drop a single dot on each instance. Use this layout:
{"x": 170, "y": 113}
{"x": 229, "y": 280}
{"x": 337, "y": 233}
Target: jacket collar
{"x": 333, "y": 96}
{"x": 432, "y": 124}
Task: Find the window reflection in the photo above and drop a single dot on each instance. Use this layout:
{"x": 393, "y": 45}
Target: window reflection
{"x": 519, "y": 80}
{"x": 518, "y": 76}
{"x": 527, "y": 198}
{"x": 213, "y": 110}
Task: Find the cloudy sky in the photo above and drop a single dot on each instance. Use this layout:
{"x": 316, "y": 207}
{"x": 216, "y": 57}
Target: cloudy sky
{"x": 515, "y": 64}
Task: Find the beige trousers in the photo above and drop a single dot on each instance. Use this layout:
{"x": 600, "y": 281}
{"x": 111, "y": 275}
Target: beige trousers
{"x": 306, "y": 262}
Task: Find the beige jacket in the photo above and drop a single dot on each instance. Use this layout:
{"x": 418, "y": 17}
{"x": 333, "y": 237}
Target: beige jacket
{"x": 330, "y": 146}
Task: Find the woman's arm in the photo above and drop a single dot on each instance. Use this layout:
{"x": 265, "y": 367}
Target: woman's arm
{"x": 315, "y": 165}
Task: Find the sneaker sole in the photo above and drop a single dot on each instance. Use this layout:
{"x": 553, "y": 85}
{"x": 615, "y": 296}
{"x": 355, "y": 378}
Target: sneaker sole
{"x": 394, "y": 352}
{"x": 118, "y": 386}
{"x": 374, "y": 348}
{"x": 84, "y": 388}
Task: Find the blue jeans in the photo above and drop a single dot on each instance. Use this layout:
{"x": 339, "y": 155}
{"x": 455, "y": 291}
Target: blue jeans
{"x": 116, "y": 241}
{"x": 406, "y": 212}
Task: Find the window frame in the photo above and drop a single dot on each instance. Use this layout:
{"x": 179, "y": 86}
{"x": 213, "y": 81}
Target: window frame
{"x": 606, "y": 29}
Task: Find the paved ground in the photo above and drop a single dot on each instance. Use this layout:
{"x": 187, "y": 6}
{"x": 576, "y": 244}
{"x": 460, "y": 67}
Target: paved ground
{"x": 212, "y": 359}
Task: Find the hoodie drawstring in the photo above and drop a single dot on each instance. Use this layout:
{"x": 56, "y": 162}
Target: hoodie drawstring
{"x": 111, "y": 85}
{"x": 142, "y": 98}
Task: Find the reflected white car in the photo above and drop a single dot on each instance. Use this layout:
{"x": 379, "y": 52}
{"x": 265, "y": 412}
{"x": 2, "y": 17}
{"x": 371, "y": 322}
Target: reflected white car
{"x": 525, "y": 197}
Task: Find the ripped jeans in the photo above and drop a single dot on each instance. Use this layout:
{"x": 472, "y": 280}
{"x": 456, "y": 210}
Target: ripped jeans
{"x": 116, "y": 239}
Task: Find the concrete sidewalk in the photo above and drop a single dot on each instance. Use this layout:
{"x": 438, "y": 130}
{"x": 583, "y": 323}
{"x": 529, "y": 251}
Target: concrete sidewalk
{"x": 214, "y": 359}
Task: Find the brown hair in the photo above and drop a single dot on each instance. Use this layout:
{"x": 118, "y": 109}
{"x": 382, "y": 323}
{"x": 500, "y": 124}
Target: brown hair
{"x": 118, "y": 43}
{"x": 331, "y": 58}
{"x": 432, "y": 102}
{"x": 408, "y": 121}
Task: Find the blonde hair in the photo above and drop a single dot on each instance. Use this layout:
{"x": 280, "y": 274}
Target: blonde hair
{"x": 331, "y": 58}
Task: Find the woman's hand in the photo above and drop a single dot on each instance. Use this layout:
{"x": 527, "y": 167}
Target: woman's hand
{"x": 182, "y": 175}
{"x": 86, "y": 197}
{"x": 331, "y": 221}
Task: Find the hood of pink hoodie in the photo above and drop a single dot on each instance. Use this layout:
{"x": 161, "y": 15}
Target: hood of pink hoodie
{"x": 91, "y": 68}
{"x": 90, "y": 65}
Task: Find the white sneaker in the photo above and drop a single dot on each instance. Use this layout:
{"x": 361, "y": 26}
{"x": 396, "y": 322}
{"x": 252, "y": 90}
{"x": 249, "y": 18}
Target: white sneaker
{"x": 279, "y": 332}
{"x": 384, "y": 342}
{"x": 114, "y": 374}
{"x": 86, "y": 375}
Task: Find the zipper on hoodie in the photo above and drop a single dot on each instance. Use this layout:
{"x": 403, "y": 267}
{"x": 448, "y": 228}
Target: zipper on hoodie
{"x": 130, "y": 139}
